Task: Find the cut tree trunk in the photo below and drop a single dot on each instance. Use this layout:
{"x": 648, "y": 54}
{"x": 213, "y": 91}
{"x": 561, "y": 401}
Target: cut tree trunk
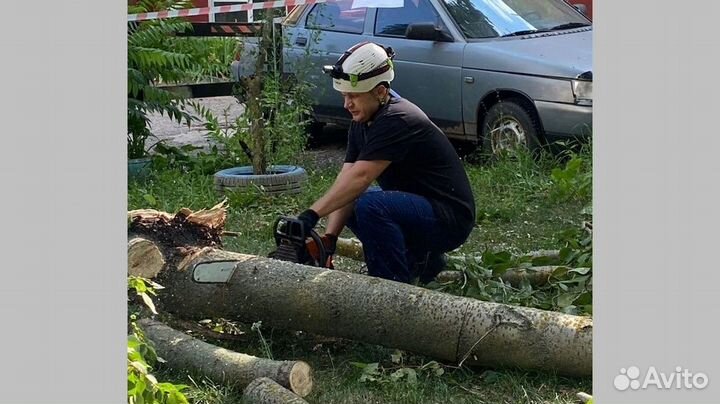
{"x": 455, "y": 329}
{"x": 144, "y": 258}
{"x": 350, "y": 248}
{"x": 184, "y": 352}
{"x": 265, "y": 391}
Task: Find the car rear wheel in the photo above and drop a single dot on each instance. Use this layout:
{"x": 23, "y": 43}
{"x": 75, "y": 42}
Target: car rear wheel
{"x": 507, "y": 127}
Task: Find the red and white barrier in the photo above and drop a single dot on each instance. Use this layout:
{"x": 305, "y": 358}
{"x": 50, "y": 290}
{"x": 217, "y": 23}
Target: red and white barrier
{"x": 219, "y": 9}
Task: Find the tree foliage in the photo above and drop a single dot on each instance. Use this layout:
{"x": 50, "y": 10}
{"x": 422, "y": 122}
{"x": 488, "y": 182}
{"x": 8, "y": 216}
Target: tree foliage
{"x": 151, "y": 61}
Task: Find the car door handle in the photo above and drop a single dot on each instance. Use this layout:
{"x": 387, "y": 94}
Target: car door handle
{"x": 302, "y": 41}
{"x": 468, "y": 79}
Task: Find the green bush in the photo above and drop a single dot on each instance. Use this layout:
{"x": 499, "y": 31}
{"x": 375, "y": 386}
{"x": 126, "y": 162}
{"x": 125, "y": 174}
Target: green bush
{"x": 143, "y": 386}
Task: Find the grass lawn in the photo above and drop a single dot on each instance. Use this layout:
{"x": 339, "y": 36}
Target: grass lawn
{"x": 520, "y": 207}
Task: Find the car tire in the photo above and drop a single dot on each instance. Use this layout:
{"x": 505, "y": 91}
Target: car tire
{"x": 508, "y": 125}
{"x": 282, "y": 179}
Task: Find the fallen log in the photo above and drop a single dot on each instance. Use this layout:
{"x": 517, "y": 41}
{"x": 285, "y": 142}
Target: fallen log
{"x": 203, "y": 282}
{"x": 265, "y": 391}
{"x": 350, "y": 248}
{"x": 537, "y": 275}
{"x": 184, "y": 352}
{"x": 584, "y": 397}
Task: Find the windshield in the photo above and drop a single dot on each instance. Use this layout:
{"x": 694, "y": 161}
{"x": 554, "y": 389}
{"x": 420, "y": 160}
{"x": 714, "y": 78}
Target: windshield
{"x": 493, "y": 18}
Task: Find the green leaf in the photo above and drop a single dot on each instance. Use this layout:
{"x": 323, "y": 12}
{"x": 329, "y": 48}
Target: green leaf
{"x": 136, "y": 386}
{"x": 559, "y": 272}
{"x": 150, "y": 378}
{"x": 583, "y": 300}
{"x": 148, "y": 302}
{"x": 490, "y": 376}
{"x": 396, "y": 357}
{"x": 411, "y": 376}
{"x": 566, "y": 299}
{"x": 150, "y": 199}
{"x": 581, "y": 271}
{"x": 132, "y": 343}
{"x": 154, "y": 285}
{"x": 135, "y": 356}
{"x": 397, "y": 375}
{"x": 371, "y": 368}
{"x": 138, "y": 284}
{"x": 139, "y": 366}
{"x": 179, "y": 397}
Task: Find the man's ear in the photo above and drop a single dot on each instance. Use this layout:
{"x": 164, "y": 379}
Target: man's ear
{"x": 381, "y": 91}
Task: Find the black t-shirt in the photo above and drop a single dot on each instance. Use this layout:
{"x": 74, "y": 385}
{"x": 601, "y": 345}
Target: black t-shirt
{"x": 423, "y": 161}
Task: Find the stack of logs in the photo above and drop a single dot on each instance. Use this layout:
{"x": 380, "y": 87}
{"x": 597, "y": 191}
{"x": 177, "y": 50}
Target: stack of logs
{"x": 182, "y": 252}
{"x": 264, "y": 380}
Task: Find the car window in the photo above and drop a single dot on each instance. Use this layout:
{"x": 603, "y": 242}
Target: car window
{"x": 492, "y": 18}
{"x": 294, "y": 15}
{"x": 337, "y": 16}
{"x": 394, "y": 21}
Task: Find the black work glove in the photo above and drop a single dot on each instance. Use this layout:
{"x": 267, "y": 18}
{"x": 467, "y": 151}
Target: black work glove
{"x": 309, "y": 219}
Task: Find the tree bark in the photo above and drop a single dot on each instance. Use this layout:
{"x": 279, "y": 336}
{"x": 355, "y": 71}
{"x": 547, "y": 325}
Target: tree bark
{"x": 265, "y": 391}
{"x": 451, "y": 328}
{"x": 184, "y": 352}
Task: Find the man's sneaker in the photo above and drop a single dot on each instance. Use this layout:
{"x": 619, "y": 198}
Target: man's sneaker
{"x": 428, "y": 269}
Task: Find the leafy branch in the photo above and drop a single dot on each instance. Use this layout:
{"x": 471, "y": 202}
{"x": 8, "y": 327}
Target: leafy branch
{"x": 569, "y": 287}
{"x": 143, "y": 386}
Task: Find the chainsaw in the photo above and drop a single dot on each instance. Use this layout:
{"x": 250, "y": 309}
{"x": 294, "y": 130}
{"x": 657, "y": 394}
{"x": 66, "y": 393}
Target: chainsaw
{"x": 294, "y": 245}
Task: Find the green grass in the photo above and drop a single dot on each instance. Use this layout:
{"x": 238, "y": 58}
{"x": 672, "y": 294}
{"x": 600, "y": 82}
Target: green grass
{"x": 518, "y": 209}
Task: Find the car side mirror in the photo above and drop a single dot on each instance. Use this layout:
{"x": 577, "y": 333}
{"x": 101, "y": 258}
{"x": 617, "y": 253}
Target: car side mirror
{"x": 427, "y": 31}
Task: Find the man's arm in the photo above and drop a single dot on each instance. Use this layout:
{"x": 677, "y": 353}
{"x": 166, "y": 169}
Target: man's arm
{"x": 337, "y": 219}
{"x": 354, "y": 178}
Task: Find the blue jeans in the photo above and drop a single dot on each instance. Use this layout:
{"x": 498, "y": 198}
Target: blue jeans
{"x": 397, "y": 230}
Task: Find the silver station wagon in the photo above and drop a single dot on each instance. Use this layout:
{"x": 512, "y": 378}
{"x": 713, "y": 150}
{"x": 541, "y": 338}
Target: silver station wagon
{"x": 497, "y": 73}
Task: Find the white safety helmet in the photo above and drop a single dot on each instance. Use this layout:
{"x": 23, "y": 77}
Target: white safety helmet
{"x": 361, "y": 68}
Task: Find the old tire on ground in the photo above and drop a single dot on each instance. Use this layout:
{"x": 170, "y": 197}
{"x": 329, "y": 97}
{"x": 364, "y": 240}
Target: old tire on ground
{"x": 508, "y": 125}
{"x": 281, "y": 179}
